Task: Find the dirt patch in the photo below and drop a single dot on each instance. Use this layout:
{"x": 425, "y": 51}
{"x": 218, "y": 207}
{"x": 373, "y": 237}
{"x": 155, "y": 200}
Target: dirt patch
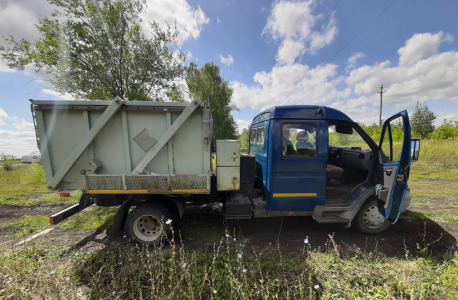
{"x": 36, "y": 195}
{"x": 291, "y": 232}
{"x": 8, "y": 213}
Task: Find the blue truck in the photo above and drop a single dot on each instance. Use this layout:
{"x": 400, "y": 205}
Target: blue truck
{"x": 315, "y": 161}
{"x": 157, "y": 157}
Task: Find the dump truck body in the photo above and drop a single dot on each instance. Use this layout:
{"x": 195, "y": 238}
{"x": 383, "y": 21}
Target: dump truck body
{"x": 105, "y": 147}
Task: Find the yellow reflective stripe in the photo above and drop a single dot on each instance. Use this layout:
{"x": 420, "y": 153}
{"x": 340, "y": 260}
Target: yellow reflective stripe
{"x": 147, "y": 192}
{"x": 295, "y": 195}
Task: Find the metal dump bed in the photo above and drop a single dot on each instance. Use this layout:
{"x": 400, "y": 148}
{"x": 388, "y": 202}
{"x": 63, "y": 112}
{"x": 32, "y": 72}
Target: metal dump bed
{"x": 133, "y": 147}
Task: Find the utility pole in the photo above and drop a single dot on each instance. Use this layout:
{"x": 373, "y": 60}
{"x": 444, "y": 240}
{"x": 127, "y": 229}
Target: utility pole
{"x": 381, "y": 99}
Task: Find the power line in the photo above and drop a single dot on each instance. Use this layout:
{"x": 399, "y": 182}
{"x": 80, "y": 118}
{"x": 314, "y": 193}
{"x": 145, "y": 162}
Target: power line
{"x": 369, "y": 24}
{"x": 310, "y": 37}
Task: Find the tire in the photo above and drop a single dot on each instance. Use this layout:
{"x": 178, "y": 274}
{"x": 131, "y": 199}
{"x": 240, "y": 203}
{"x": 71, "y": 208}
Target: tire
{"x": 370, "y": 218}
{"x": 147, "y": 224}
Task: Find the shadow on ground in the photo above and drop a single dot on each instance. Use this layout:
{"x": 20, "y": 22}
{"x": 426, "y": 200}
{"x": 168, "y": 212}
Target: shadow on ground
{"x": 203, "y": 228}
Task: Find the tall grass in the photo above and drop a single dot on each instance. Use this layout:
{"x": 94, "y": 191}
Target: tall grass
{"x": 233, "y": 270}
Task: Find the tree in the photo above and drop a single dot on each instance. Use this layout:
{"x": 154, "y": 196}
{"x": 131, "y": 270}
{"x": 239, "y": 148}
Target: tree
{"x": 96, "y": 49}
{"x": 422, "y": 120}
{"x": 244, "y": 139}
{"x": 206, "y": 84}
{"x": 447, "y": 130}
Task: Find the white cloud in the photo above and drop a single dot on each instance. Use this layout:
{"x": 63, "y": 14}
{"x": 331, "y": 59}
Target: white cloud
{"x": 432, "y": 77}
{"x": 3, "y": 116}
{"x": 298, "y": 37}
{"x": 19, "y": 141}
{"x": 23, "y": 125}
{"x": 300, "y": 85}
{"x": 189, "y": 20}
{"x": 289, "y": 50}
{"x": 229, "y": 60}
{"x": 421, "y": 45}
{"x": 17, "y": 18}
{"x": 4, "y": 67}
{"x": 242, "y": 124}
{"x": 351, "y": 62}
{"x": 51, "y": 92}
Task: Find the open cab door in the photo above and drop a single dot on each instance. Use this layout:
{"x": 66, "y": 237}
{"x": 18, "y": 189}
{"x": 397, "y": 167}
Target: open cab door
{"x": 395, "y": 154}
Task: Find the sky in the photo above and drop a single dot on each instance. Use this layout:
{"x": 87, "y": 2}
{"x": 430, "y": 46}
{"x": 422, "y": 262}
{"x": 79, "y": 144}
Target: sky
{"x": 325, "y": 52}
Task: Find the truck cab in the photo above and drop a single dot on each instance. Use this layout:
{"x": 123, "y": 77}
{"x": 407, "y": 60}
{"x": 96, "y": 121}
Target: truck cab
{"x": 315, "y": 161}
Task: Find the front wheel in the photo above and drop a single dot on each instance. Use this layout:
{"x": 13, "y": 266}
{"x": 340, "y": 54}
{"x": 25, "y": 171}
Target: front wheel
{"x": 371, "y": 219}
{"x": 148, "y": 224}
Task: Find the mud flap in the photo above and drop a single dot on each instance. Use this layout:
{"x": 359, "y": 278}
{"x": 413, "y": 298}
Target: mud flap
{"x": 121, "y": 216}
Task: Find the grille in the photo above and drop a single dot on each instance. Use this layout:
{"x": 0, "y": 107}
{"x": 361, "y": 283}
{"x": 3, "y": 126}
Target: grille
{"x": 147, "y": 182}
{"x": 102, "y": 182}
{"x": 150, "y": 183}
{"x": 189, "y": 182}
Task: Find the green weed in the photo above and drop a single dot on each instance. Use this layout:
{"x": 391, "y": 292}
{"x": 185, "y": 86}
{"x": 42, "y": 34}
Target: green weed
{"x": 233, "y": 270}
{"x": 91, "y": 218}
{"x": 29, "y": 224}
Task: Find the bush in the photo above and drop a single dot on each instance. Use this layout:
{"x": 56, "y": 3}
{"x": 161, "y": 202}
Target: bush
{"x": 7, "y": 162}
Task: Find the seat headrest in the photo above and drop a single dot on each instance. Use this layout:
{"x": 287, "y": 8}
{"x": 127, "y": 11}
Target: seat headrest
{"x": 302, "y": 136}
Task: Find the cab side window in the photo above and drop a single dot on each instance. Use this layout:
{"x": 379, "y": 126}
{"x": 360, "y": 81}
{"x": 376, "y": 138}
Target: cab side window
{"x": 298, "y": 140}
{"x": 261, "y": 133}
{"x": 253, "y": 136}
{"x": 393, "y": 139}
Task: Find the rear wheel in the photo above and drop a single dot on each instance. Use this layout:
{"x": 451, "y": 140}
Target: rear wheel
{"x": 371, "y": 219}
{"x": 149, "y": 224}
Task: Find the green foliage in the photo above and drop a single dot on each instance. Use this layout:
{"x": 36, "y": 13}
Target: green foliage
{"x": 29, "y": 224}
{"x": 244, "y": 139}
{"x": 91, "y": 219}
{"x": 422, "y": 120}
{"x": 206, "y": 84}
{"x": 7, "y": 162}
{"x": 97, "y": 50}
{"x": 448, "y": 130}
{"x": 231, "y": 270}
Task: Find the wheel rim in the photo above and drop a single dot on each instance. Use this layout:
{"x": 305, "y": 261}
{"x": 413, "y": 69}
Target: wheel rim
{"x": 147, "y": 228}
{"x": 372, "y": 217}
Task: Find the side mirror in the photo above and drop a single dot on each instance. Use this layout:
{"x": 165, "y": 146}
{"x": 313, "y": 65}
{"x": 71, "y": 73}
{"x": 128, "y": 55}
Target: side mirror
{"x": 415, "y": 149}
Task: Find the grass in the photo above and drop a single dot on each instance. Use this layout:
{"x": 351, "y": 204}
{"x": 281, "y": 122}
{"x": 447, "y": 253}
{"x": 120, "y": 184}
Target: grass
{"x": 443, "y": 216}
{"x": 91, "y": 218}
{"x": 233, "y": 270}
{"x": 29, "y": 224}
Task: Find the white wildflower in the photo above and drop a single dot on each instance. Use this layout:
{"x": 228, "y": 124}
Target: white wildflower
{"x": 235, "y": 239}
{"x": 169, "y": 221}
{"x": 68, "y": 278}
{"x": 227, "y": 235}
{"x": 184, "y": 265}
{"x": 10, "y": 296}
{"x": 244, "y": 270}
{"x": 214, "y": 292}
{"x": 316, "y": 286}
{"x": 52, "y": 272}
{"x": 239, "y": 255}
{"x": 306, "y": 241}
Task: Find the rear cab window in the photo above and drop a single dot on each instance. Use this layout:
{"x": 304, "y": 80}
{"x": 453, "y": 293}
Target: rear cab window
{"x": 299, "y": 140}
